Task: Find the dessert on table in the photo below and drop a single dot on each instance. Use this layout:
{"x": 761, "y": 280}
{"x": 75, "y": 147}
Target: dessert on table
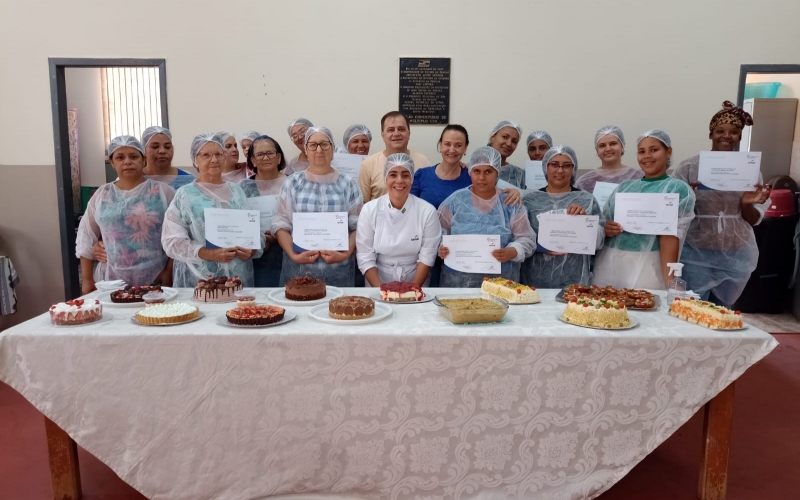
{"x": 305, "y": 288}
{"x": 510, "y": 291}
{"x": 707, "y": 314}
{"x": 472, "y": 310}
{"x": 596, "y": 313}
{"x": 245, "y": 298}
{"x": 401, "y": 291}
{"x": 638, "y": 299}
{"x": 351, "y": 307}
{"x": 255, "y": 315}
{"x": 167, "y": 313}
{"x": 76, "y": 312}
{"x": 153, "y": 298}
{"x": 217, "y": 289}
{"x": 131, "y": 294}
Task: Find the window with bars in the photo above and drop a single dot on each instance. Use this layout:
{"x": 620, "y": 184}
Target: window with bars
{"x": 131, "y": 100}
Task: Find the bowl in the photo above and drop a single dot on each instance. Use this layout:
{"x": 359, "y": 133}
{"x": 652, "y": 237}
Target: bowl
{"x": 472, "y": 308}
{"x": 152, "y": 298}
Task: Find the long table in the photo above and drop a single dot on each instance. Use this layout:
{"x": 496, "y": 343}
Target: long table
{"x": 409, "y": 407}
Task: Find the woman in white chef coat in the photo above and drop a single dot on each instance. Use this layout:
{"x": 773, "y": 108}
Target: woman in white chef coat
{"x": 398, "y": 234}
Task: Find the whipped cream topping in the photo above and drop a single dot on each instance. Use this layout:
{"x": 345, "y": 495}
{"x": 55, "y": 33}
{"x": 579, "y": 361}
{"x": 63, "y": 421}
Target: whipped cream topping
{"x": 89, "y": 305}
{"x": 167, "y": 310}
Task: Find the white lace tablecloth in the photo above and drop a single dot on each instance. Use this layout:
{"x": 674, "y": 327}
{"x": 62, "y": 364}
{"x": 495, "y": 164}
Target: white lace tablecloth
{"x": 409, "y": 408}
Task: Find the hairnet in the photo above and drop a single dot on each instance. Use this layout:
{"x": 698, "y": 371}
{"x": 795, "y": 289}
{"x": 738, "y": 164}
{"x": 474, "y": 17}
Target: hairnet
{"x": 250, "y": 135}
{"x": 656, "y": 134}
{"x": 541, "y": 135}
{"x": 609, "y": 130}
{"x": 398, "y": 160}
{"x": 201, "y": 140}
{"x": 485, "y": 155}
{"x": 561, "y": 150}
{"x": 149, "y": 132}
{"x": 223, "y": 136}
{"x": 504, "y": 124}
{"x": 299, "y": 121}
{"x": 356, "y": 130}
{"x": 323, "y": 130}
{"x": 124, "y": 141}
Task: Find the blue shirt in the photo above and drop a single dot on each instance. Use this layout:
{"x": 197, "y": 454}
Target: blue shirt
{"x": 428, "y": 186}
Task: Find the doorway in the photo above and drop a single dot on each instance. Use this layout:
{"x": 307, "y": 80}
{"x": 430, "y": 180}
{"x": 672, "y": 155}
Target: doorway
{"x": 118, "y": 77}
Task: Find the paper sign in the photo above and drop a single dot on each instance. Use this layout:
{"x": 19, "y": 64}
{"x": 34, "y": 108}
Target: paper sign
{"x": 729, "y": 170}
{"x": 602, "y": 191}
{"x": 647, "y": 213}
{"x": 268, "y": 207}
{"x": 472, "y": 253}
{"x": 320, "y": 231}
{"x": 348, "y": 164}
{"x": 226, "y": 228}
{"x": 534, "y": 175}
{"x": 568, "y": 233}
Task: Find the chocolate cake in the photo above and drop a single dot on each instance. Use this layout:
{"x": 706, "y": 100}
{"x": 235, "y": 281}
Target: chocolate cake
{"x": 217, "y": 289}
{"x": 131, "y": 294}
{"x": 305, "y": 288}
{"x": 351, "y": 307}
{"x": 255, "y": 315}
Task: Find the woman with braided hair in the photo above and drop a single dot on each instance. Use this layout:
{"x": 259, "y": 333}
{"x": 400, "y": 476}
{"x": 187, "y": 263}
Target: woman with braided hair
{"x": 720, "y": 250}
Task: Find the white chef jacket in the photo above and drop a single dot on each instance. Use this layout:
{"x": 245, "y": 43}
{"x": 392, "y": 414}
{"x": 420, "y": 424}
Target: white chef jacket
{"x": 394, "y": 241}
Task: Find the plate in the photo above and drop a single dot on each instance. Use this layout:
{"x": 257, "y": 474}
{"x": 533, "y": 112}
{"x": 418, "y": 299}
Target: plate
{"x": 278, "y": 296}
{"x": 634, "y": 324}
{"x": 105, "y": 319}
{"x": 320, "y": 313}
{"x": 656, "y": 302}
{"x": 288, "y": 316}
{"x": 105, "y": 298}
{"x": 427, "y": 298}
{"x": 199, "y": 316}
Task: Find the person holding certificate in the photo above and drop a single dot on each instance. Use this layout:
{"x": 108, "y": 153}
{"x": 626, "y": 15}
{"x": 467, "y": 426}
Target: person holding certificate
{"x": 635, "y": 260}
{"x": 184, "y": 233}
{"x": 504, "y": 138}
{"x": 398, "y": 234}
{"x": 480, "y": 210}
{"x": 127, "y": 214}
{"x": 547, "y": 269}
{"x": 297, "y": 132}
{"x": 539, "y": 142}
{"x": 609, "y": 143}
{"x": 357, "y": 139}
{"x": 317, "y": 217}
{"x": 720, "y": 251}
{"x": 265, "y": 158}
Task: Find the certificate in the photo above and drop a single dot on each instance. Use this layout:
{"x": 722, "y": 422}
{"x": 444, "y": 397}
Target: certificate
{"x": 729, "y": 170}
{"x": 226, "y": 228}
{"x": 647, "y": 213}
{"x": 268, "y": 206}
{"x": 568, "y": 233}
{"x": 320, "y": 231}
{"x": 347, "y": 164}
{"x": 534, "y": 175}
{"x": 472, "y": 253}
{"x": 602, "y": 191}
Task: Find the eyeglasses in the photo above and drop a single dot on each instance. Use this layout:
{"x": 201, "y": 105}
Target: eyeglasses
{"x": 326, "y": 145}
{"x": 265, "y": 155}
{"x": 299, "y": 135}
{"x": 208, "y": 156}
{"x": 557, "y": 166}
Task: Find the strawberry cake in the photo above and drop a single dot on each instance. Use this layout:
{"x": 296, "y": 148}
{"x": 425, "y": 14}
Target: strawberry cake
{"x": 76, "y": 312}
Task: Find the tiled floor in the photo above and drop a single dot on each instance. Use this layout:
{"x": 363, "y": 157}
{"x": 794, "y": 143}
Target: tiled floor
{"x": 773, "y": 323}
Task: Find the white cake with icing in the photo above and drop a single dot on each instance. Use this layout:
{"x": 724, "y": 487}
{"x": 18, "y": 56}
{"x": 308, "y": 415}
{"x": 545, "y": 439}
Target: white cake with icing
{"x": 602, "y": 313}
{"x": 510, "y": 291}
{"x": 160, "y": 314}
{"x": 76, "y": 312}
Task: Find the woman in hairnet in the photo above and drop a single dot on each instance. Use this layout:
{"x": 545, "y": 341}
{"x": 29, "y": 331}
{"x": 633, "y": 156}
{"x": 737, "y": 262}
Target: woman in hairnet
{"x": 720, "y": 250}
{"x": 504, "y": 138}
{"x": 158, "y": 154}
{"x": 546, "y": 269}
{"x": 398, "y": 234}
{"x": 318, "y": 189}
{"x": 265, "y": 158}
{"x": 127, "y": 214}
{"x": 640, "y": 260}
{"x": 184, "y": 234}
{"x": 297, "y": 132}
{"x": 609, "y": 143}
{"x": 232, "y": 171}
{"x": 479, "y": 209}
{"x": 247, "y": 141}
{"x": 357, "y": 139}
{"x": 539, "y": 142}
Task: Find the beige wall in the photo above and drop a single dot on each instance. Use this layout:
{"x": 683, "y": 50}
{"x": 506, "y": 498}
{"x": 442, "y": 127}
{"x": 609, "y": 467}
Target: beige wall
{"x": 84, "y": 93}
{"x": 29, "y": 235}
{"x": 790, "y": 87}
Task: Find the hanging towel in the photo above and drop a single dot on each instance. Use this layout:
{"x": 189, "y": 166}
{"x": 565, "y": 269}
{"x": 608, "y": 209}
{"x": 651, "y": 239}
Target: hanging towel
{"x": 8, "y": 281}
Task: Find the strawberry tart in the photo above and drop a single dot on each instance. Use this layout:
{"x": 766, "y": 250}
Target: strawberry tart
{"x": 76, "y": 312}
{"x": 255, "y": 315}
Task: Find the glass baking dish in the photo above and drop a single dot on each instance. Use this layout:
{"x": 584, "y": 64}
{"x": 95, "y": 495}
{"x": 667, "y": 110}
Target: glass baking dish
{"x": 489, "y": 314}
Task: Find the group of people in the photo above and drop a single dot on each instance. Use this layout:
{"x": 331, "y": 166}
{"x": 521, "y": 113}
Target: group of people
{"x": 149, "y": 224}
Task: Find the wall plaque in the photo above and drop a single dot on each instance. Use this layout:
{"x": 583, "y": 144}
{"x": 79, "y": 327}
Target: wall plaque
{"x": 425, "y": 90}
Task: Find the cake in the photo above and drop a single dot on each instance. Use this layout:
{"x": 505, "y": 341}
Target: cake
{"x": 348, "y": 307}
{"x": 305, "y": 288}
{"x": 131, "y": 294}
{"x": 217, "y": 289}
{"x": 596, "y": 313}
{"x": 164, "y": 314}
{"x": 76, "y": 312}
{"x": 706, "y": 314}
{"x": 255, "y": 315}
{"x": 400, "y": 291}
{"x": 472, "y": 310}
{"x": 154, "y": 298}
{"x": 639, "y": 299}
{"x": 513, "y": 293}
{"x": 245, "y": 298}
